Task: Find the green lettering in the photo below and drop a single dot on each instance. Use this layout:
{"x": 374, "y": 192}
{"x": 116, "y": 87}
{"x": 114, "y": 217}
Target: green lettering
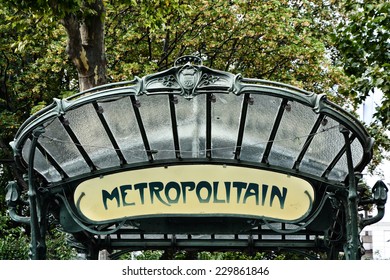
{"x": 124, "y": 189}
{"x": 252, "y": 190}
{"x": 203, "y": 185}
{"x": 186, "y": 186}
{"x": 227, "y": 189}
{"x": 264, "y": 194}
{"x": 276, "y": 192}
{"x": 239, "y": 186}
{"x": 215, "y": 193}
{"x": 111, "y": 196}
{"x": 172, "y": 186}
{"x": 155, "y": 189}
{"x": 141, "y": 187}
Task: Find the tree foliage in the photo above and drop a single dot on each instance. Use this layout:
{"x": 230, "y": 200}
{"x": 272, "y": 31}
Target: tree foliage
{"x": 278, "y": 40}
{"x": 206, "y": 255}
{"x": 363, "y": 40}
{"x": 365, "y": 49}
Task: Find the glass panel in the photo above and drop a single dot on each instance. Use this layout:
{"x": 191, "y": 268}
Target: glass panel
{"x": 294, "y": 128}
{"x": 41, "y": 164}
{"x": 191, "y": 125}
{"x": 26, "y": 150}
{"x": 259, "y": 122}
{"x": 357, "y": 152}
{"x": 325, "y": 145}
{"x": 156, "y": 117}
{"x": 225, "y": 114}
{"x": 340, "y": 171}
{"x": 120, "y": 117}
{"x": 58, "y": 143}
{"x": 86, "y": 124}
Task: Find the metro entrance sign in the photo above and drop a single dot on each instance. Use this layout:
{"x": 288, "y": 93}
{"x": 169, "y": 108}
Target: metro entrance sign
{"x": 193, "y": 158}
{"x": 197, "y": 190}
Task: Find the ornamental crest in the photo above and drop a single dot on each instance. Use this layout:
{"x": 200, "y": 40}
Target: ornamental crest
{"x": 188, "y": 78}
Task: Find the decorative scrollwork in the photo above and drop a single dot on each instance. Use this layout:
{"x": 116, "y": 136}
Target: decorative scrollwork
{"x": 168, "y": 81}
{"x": 189, "y": 78}
{"x": 195, "y": 60}
{"x": 208, "y": 79}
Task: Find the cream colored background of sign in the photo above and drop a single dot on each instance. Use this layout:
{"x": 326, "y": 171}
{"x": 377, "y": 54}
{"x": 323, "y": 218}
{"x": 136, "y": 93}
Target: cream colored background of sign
{"x": 297, "y": 202}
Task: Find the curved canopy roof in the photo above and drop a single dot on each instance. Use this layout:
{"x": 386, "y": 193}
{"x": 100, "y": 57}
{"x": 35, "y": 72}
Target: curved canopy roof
{"x": 184, "y": 124}
{"x": 192, "y": 113}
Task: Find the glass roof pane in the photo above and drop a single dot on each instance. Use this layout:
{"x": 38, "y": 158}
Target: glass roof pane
{"x": 41, "y": 163}
{"x": 290, "y": 136}
{"x": 89, "y": 130}
{"x": 107, "y": 120}
{"x": 226, "y": 112}
{"x": 357, "y": 152}
{"x": 191, "y": 125}
{"x": 340, "y": 171}
{"x": 259, "y": 122}
{"x": 58, "y": 143}
{"x": 325, "y": 145}
{"x": 120, "y": 118}
{"x": 156, "y": 118}
{"x": 26, "y": 150}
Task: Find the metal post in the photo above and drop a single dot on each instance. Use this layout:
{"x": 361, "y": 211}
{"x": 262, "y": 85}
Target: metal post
{"x": 352, "y": 248}
{"x": 38, "y": 246}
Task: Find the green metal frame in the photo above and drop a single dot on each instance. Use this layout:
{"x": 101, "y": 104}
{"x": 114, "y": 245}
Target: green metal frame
{"x": 188, "y": 79}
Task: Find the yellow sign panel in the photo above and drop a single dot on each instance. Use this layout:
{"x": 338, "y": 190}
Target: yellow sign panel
{"x": 198, "y": 190}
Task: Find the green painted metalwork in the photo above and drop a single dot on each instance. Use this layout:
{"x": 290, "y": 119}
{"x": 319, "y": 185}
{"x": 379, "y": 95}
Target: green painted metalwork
{"x": 37, "y": 214}
{"x": 187, "y": 115}
{"x": 352, "y": 250}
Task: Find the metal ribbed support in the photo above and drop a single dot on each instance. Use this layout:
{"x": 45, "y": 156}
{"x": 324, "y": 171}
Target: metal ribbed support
{"x": 38, "y": 244}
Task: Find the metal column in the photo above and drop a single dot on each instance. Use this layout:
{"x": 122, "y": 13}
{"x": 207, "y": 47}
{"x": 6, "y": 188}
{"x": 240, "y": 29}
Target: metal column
{"x": 352, "y": 247}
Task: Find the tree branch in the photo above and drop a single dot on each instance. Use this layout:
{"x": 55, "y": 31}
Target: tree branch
{"x": 4, "y": 89}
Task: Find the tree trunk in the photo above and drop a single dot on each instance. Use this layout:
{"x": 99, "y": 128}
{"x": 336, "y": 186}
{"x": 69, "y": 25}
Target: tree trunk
{"x": 86, "y": 45}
